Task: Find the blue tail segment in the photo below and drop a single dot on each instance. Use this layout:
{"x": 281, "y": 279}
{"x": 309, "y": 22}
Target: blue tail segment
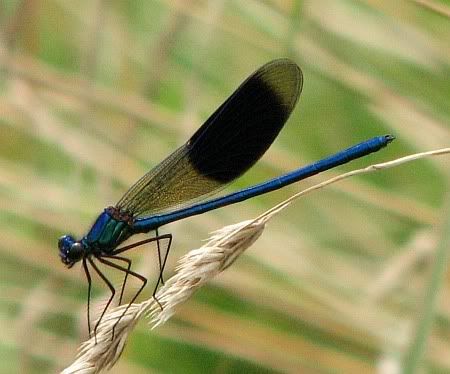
{"x": 342, "y": 157}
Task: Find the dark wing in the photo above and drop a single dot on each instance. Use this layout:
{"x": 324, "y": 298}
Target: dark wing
{"x": 233, "y": 138}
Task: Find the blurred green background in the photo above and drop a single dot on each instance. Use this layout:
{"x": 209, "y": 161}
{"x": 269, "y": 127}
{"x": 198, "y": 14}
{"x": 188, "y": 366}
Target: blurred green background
{"x": 94, "y": 93}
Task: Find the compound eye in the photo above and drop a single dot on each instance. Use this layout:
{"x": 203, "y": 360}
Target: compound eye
{"x": 77, "y": 249}
{"x": 75, "y": 252}
{"x": 65, "y": 242}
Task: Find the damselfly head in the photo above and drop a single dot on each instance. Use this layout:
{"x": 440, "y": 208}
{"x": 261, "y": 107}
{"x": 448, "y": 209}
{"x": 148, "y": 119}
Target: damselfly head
{"x": 70, "y": 250}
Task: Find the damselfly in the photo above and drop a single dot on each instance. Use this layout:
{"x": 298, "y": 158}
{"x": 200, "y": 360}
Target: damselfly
{"x": 233, "y": 138}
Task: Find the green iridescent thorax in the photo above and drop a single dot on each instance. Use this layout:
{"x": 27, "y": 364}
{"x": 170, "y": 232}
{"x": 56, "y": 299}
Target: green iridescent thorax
{"x": 109, "y": 230}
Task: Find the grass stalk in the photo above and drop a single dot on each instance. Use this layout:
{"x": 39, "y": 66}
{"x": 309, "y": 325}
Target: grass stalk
{"x": 414, "y": 357}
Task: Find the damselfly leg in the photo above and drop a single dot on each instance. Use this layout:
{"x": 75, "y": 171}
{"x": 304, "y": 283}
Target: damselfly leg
{"x": 106, "y": 260}
{"x": 126, "y": 271}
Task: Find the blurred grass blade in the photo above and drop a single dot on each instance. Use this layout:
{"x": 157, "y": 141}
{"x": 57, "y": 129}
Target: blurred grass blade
{"x": 427, "y": 314}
